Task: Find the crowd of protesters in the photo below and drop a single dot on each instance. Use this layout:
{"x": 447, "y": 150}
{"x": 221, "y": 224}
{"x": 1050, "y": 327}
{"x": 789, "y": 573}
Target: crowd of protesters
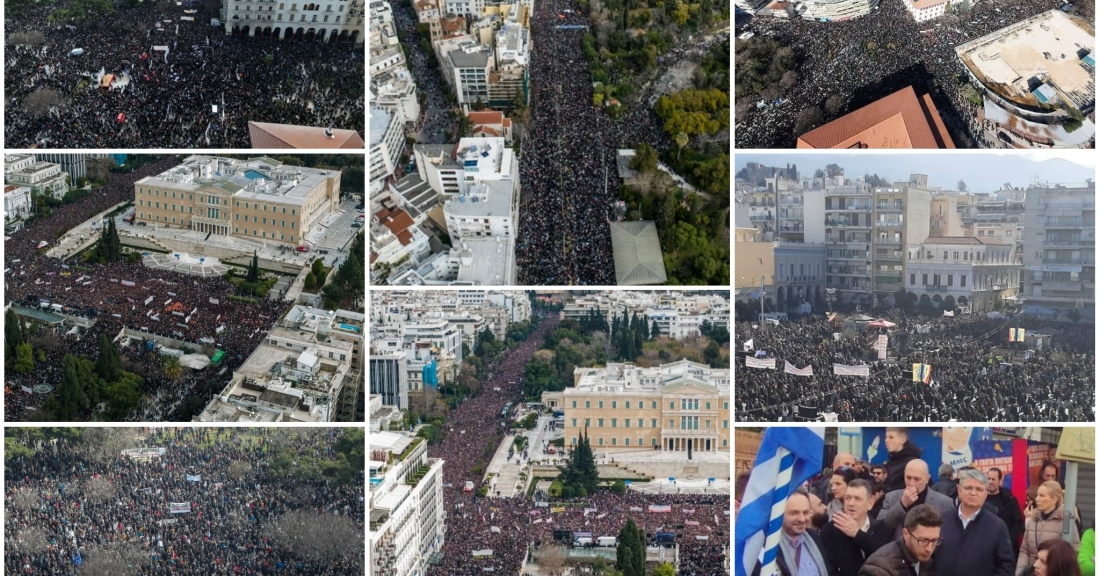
{"x": 568, "y": 158}
{"x": 200, "y": 93}
{"x": 507, "y": 526}
{"x": 858, "y": 519}
{"x": 977, "y": 375}
{"x": 65, "y": 505}
{"x": 113, "y": 296}
{"x": 867, "y": 58}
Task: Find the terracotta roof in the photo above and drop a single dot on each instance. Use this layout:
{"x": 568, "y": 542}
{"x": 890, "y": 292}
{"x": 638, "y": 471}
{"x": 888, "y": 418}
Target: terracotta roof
{"x": 900, "y": 120}
{"x": 398, "y": 221}
{"x": 486, "y": 117}
{"x": 922, "y": 4}
{"x": 507, "y": 123}
{"x": 486, "y": 130}
{"x": 265, "y": 135}
{"x": 10, "y": 189}
{"x": 971, "y": 240}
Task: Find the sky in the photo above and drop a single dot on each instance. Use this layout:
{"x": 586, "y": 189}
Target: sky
{"x": 982, "y": 171}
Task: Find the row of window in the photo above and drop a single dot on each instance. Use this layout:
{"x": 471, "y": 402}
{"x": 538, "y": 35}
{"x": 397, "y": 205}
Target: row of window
{"x": 641, "y": 442}
{"x": 686, "y": 423}
{"x": 975, "y": 256}
{"x": 215, "y": 200}
{"x": 685, "y": 404}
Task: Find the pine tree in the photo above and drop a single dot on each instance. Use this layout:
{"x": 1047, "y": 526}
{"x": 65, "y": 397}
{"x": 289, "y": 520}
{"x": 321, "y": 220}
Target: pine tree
{"x": 630, "y": 554}
{"x": 645, "y": 329}
{"x": 108, "y": 365}
{"x": 654, "y": 330}
{"x": 254, "y": 270}
{"x": 70, "y": 398}
{"x": 13, "y": 333}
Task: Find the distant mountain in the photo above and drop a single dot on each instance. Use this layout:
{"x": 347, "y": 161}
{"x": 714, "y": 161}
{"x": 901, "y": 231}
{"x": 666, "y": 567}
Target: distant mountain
{"x": 981, "y": 172}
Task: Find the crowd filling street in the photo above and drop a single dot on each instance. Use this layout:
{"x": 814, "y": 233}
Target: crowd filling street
{"x": 64, "y": 507}
{"x": 567, "y": 164}
{"x": 858, "y": 519}
{"x": 200, "y": 92}
{"x": 870, "y": 57}
{"x": 968, "y": 382}
{"x": 519, "y": 522}
{"x": 114, "y": 296}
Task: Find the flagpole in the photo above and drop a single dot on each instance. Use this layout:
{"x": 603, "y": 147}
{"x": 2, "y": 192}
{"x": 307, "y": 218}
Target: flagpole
{"x": 769, "y": 554}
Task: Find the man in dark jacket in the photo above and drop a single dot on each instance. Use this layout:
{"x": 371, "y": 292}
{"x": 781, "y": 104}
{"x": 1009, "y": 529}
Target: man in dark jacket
{"x": 901, "y": 452}
{"x": 916, "y": 492}
{"x": 799, "y": 545}
{"x": 974, "y": 540}
{"x": 1007, "y": 508}
{"x": 911, "y": 554}
{"x": 946, "y": 484}
{"x": 851, "y": 536}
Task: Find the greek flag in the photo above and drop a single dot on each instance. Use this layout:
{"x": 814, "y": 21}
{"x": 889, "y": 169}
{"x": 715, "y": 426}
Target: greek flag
{"x": 787, "y": 457}
{"x": 1015, "y": 334}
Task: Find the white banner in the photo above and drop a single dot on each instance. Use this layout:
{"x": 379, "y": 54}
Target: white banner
{"x": 214, "y": 301}
{"x": 757, "y": 363}
{"x": 128, "y": 283}
{"x": 179, "y": 507}
{"x": 845, "y": 370}
{"x": 747, "y": 346}
{"x": 26, "y": 389}
{"x": 479, "y": 553}
{"x": 790, "y": 369}
{"x": 948, "y": 313}
{"x": 191, "y": 478}
{"x": 148, "y": 300}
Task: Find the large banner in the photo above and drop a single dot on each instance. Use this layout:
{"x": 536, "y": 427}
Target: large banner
{"x": 845, "y": 370}
{"x": 179, "y": 507}
{"x": 790, "y": 369}
{"x": 757, "y": 363}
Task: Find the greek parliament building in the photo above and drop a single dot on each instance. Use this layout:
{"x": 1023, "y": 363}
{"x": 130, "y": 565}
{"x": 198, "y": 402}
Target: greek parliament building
{"x": 259, "y": 198}
{"x": 677, "y": 407}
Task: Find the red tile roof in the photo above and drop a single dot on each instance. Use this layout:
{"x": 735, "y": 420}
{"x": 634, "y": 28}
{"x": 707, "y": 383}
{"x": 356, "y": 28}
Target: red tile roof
{"x": 265, "y": 135}
{"x": 900, "y": 120}
{"x": 398, "y": 221}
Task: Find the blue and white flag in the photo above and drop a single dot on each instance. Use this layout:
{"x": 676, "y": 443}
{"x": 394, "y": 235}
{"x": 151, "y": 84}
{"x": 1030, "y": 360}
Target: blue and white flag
{"x": 77, "y": 559}
{"x": 787, "y": 458}
{"x": 191, "y": 478}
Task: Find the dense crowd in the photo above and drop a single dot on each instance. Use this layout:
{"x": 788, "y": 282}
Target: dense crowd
{"x": 567, "y": 165}
{"x": 835, "y": 60}
{"x": 470, "y": 519}
{"x": 64, "y": 507}
{"x": 181, "y": 307}
{"x": 968, "y": 382}
{"x": 169, "y": 98}
{"x": 434, "y": 117}
{"x": 855, "y": 519}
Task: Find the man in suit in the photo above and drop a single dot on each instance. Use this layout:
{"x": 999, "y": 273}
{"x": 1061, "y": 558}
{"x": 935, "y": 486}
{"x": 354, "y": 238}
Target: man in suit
{"x": 915, "y": 493}
{"x": 975, "y": 540}
{"x": 799, "y": 544}
{"x": 851, "y": 536}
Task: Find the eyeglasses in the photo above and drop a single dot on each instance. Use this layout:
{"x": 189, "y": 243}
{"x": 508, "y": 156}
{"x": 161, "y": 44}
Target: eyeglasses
{"x": 926, "y": 542}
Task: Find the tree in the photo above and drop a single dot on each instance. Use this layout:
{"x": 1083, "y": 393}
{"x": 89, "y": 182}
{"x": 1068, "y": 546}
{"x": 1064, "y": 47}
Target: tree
{"x": 807, "y": 120}
{"x": 108, "y": 364}
{"x": 618, "y": 487}
{"x": 713, "y": 354}
{"x": 789, "y": 80}
{"x": 253, "y": 270}
{"x": 172, "y": 368}
{"x": 69, "y": 398}
{"x": 630, "y": 553}
{"x": 681, "y": 140}
{"x": 39, "y": 102}
{"x": 962, "y": 185}
{"x": 580, "y": 469}
{"x": 551, "y": 561}
{"x": 311, "y": 280}
{"x": 24, "y": 358}
{"x": 655, "y": 330}
{"x": 117, "y": 558}
{"x": 835, "y": 104}
{"x": 645, "y": 158}
{"x": 13, "y": 332}
{"x": 665, "y": 569}
{"x": 98, "y": 489}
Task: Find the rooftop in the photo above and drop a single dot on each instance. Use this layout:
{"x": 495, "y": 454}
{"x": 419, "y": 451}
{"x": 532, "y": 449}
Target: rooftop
{"x": 398, "y": 222}
{"x": 380, "y": 119}
{"x": 487, "y": 261}
{"x": 266, "y": 135}
{"x": 489, "y": 198}
{"x": 900, "y": 120}
{"x": 637, "y": 253}
{"x": 260, "y": 178}
{"x": 1047, "y": 48}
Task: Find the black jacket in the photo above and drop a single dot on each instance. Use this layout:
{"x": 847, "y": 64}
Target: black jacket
{"x": 895, "y": 465}
{"x": 982, "y": 548}
{"x": 844, "y": 555}
{"x": 894, "y": 560}
{"x": 947, "y": 488}
{"x": 1008, "y": 510}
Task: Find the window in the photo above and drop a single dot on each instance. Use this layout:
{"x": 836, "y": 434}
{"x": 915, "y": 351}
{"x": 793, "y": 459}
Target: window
{"x": 587, "y": 422}
{"x": 614, "y": 422}
{"x": 601, "y": 404}
{"x": 671, "y": 405}
{"x": 653, "y": 439}
{"x": 614, "y": 441}
{"x": 950, "y": 279}
{"x": 626, "y": 422}
{"x": 913, "y": 279}
{"x": 962, "y": 281}
{"x": 575, "y": 404}
{"x": 725, "y": 424}
{"x": 726, "y": 405}
{"x": 653, "y": 423}
{"x": 708, "y": 405}
{"x": 574, "y": 441}
{"x": 924, "y": 278}
{"x": 641, "y": 423}
{"x": 601, "y": 442}
{"x": 599, "y": 423}
{"x": 574, "y": 422}
{"x": 614, "y": 404}
{"x": 670, "y": 423}
{"x": 654, "y": 404}
{"x": 626, "y": 441}
{"x": 628, "y": 404}
{"x": 587, "y": 404}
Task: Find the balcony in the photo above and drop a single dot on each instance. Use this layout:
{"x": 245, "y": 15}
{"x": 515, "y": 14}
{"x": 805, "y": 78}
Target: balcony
{"x": 790, "y": 202}
{"x": 849, "y": 272}
{"x": 1070, "y": 243}
{"x": 887, "y": 224}
{"x": 889, "y": 208}
{"x": 1062, "y": 286}
{"x": 888, "y": 242}
{"x": 761, "y": 218}
{"x": 1069, "y": 223}
{"x": 848, "y": 191}
{"x": 937, "y": 288}
{"x": 791, "y": 229}
{"x": 846, "y": 224}
{"x": 1081, "y": 262}
{"x": 801, "y": 280}
{"x": 849, "y": 209}
{"x": 766, "y": 204}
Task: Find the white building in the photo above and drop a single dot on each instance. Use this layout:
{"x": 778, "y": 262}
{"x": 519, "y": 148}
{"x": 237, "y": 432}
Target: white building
{"x": 324, "y": 20}
{"x": 396, "y": 240}
{"x": 466, "y": 66}
{"x": 389, "y": 378}
{"x": 926, "y": 9}
{"x": 835, "y": 10}
{"x": 17, "y": 203}
{"x": 471, "y": 7}
{"x": 395, "y": 90}
{"x": 405, "y": 505}
{"x": 427, "y": 12}
{"x": 24, "y": 170}
{"x": 452, "y": 170}
{"x": 974, "y": 272}
{"x": 387, "y": 140}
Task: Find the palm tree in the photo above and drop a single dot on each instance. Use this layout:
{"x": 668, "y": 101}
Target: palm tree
{"x": 681, "y": 140}
{"x": 172, "y": 368}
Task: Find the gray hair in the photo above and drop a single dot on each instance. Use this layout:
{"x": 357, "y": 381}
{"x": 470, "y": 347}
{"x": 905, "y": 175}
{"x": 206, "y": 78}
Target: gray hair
{"x": 947, "y": 470}
{"x": 973, "y": 474}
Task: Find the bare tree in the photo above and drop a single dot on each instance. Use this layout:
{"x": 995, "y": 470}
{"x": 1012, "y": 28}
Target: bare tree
{"x": 552, "y": 561}
{"x": 322, "y": 537}
{"x": 99, "y": 489}
{"x": 835, "y": 104}
{"x": 807, "y": 120}
{"x": 31, "y": 38}
{"x": 113, "y": 560}
{"x": 39, "y": 102}
{"x": 24, "y": 499}
{"x": 105, "y": 444}
{"x": 789, "y": 79}
{"x": 32, "y": 540}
